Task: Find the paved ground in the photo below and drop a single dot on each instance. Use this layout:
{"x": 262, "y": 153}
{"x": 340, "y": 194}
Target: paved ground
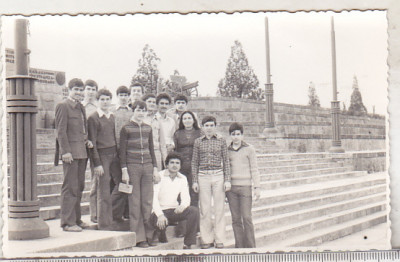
{"x": 376, "y": 237}
{"x": 69, "y": 242}
{"x": 373, "y": 238}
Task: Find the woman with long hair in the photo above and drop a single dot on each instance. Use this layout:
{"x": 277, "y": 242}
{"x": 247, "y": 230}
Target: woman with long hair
{"x": 184, "y": 139}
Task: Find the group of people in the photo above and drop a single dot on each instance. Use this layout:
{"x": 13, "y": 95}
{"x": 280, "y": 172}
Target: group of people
{"x": 177, "y": 170}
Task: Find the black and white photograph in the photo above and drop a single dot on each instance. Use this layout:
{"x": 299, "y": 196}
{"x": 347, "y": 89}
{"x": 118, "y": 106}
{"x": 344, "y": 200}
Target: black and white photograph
{"x": 200, "y": 133}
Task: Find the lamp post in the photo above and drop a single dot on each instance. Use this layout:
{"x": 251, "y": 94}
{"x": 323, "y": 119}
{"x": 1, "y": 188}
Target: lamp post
{"x": 269, "y": 91}
{"x": 23, "y": 205}
{"x": 335, "y": 105}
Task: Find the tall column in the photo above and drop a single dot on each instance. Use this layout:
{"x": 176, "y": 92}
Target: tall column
{"x": 23, "y": 204}
{"x": 269, "y": 90}
{"x": 335, "y": 105}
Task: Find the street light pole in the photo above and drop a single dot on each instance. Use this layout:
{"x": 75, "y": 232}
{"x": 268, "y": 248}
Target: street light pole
{"x": 269, "y": 91}
{"x": 335, "y": 105}
{"x": 23, "y": 204}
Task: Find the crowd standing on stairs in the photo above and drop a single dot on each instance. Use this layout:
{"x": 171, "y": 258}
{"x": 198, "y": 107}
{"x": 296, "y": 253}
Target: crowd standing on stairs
{"x": 154, "y": 166}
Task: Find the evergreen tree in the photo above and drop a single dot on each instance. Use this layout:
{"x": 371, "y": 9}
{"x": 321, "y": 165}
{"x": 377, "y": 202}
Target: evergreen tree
{"x": 147, "y": 73}
{"x": 313, "y": 99}
{"x": 356, "y": 107}
{"x": 240, "y": 80}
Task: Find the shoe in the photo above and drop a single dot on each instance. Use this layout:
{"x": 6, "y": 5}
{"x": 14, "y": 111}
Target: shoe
{"x": 93, "y": 219}
{"x": 151, "y": 242}
{"x": 73, "y": 228}
{"x": 84, "y": 225}
{"x": 219, "y": 245}
{"x": 188, "y": 246}
{"x": 163, "y": 237}
{"x": 206, "y": 246}
{"x": 142, "y": 244}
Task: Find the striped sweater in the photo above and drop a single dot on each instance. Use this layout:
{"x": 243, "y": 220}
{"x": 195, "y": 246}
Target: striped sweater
{"x": 136, "y": 144}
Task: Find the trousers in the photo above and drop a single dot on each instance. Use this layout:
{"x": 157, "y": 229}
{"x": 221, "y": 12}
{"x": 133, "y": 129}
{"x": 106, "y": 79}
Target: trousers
{"x": 211, "y": 189}
{"x": 110, "y": 164}
{"x": 240, "y": 201}
{"x": 71, "y": 192}
{"x": 141, "y": 199}
{"x": 190, "y": 214}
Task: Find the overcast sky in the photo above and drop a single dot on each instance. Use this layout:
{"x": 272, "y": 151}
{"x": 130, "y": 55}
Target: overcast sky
{"x": 107, "y": 49}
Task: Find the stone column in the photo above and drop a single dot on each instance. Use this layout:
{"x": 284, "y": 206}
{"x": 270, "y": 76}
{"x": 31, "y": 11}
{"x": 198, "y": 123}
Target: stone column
{"x": 336, "y": 142}
{"x": 23, "y": 205}
{"x": 335, "y": 105}
{"x": 269, "y": 103}
{"x": 269, "y": 130}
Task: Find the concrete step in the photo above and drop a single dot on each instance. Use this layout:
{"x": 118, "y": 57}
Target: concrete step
{"x": 60, "y": 241}
{"x": 48, "y": 167}
{"x": 278, "y": 208}
{"x": 272, "y": 236}
{"x": 308, "y": 180}
{"x": 320, "y": 236}
{"x": 280, "y": 195}
{"x": 55, "y": 188}
{"x": 262, "y": 235}
{"x": 281, "y": 220}
{"x": 286, "y": 156}
{"x": 53, "y": 212}
{"x": 54, "y": 199}
{"x": 304, "y": 173}
{"x": 46, "y": 154}
{"x": 46, "y": 178}
{"x": 281, "y": 214}
{"x": 293, "y": 168}
{"x": 288, "y": 162}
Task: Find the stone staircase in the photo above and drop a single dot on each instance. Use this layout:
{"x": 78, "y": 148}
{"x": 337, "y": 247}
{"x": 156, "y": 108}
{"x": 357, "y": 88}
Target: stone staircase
{"x": 306, "y": 199}
{"x": 309, "y": 199}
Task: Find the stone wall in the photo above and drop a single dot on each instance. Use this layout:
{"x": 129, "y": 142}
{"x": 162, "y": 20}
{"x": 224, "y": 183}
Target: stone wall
{"x": 300, "y": 128}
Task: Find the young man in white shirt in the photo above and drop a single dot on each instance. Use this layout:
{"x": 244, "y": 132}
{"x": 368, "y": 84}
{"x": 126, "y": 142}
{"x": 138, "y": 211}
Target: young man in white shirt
{"x": 166, "y": 209}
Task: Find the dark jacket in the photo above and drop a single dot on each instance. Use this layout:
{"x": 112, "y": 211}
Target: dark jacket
{"x": 71, "y": 129}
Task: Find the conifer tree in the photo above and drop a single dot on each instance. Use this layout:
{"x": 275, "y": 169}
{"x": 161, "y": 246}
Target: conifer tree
{"x": 356, "y": 107}
{"x": 147, "y": 73}
{"x": 313, "y": 99}
{"x": 240, "y": 80}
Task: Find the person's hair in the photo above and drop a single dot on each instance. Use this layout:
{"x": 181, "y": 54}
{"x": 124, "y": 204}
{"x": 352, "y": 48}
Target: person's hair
{"x": 91, "y": 83}
{"x": 147, "y": 96}
{"x": 103, "y": 92}
{"x": 173, "y": 155}
{"x": 208, "y": 119}
{"x": 181, "y": 97}
{"x": 75, "y": 82}
{"x": 138, "y": 103}
{"x": 163, "y": 96}
{"x": 137, "y": 84}
{"x": 123, "y": 90}
{"x": 195, "y": 124}
{"x": 235, "y": 126}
